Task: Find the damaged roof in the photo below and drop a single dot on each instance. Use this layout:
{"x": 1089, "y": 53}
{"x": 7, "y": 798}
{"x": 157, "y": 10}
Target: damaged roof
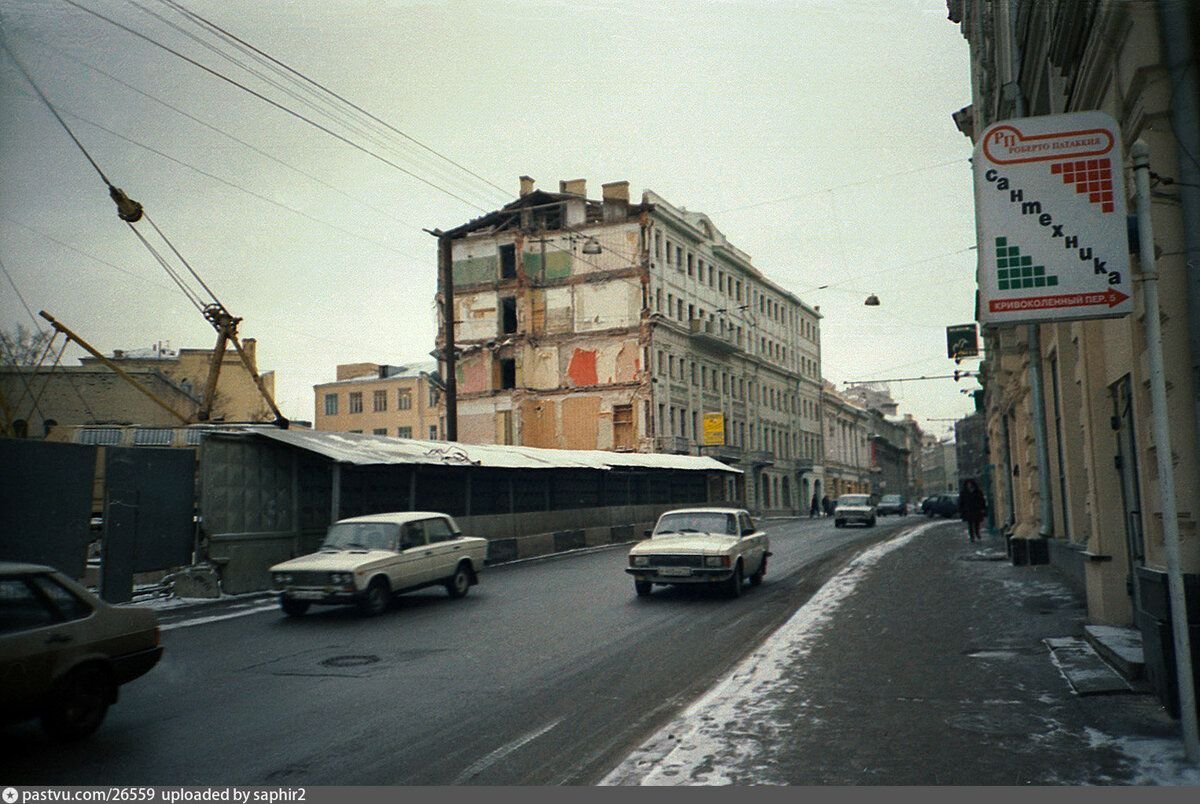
{"x": 364, "y": 450}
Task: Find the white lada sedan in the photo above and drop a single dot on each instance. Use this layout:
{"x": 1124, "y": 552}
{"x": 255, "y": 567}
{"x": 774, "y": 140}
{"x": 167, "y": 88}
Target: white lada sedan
{"x": 710, "y": 546}
{"x": 366, "y": 560}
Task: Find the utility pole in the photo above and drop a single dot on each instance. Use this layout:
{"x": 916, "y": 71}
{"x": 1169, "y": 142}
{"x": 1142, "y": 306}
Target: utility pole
{"x": 450, "y": 383}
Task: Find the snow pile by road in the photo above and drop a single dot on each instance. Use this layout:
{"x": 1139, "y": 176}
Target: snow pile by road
{"x": 729, "y": 722}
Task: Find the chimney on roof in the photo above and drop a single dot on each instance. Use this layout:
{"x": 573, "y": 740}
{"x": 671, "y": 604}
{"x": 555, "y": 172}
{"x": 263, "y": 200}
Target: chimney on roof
{"x": 573, "y": 187}
{"x": 526, "y": 186}
{"x": 616, "y": 201}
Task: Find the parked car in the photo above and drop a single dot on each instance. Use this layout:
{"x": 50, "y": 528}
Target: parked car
{"x": 854, "y": 508}
{"x": 64, "y": 652}
{"x": 943, "y": 505}
{"x": 892, "y": 504}
{"x": 708, "y": 546}
{"x": 365, "y": 560}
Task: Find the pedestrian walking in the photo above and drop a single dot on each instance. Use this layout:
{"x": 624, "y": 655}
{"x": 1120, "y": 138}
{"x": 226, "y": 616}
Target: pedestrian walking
{"x": 971, "y": 507}
{"x": 827, "y": 505}
{"x": 812, "y": 508}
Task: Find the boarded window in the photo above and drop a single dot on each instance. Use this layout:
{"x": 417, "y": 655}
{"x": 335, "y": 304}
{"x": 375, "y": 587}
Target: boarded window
{"x": 623, "y": 435}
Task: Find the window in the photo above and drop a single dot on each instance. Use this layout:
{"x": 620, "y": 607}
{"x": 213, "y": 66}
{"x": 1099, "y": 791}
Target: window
{"x": 679, "y": 309}
{"x": 658, "y": 252}
{"x": 379, "y": 401}
{"x": 433, "y": 432}
{"x": 438, "y": 530}
{"x": 356, "y": 402}
{"x": 623, "y": 427}
{"x": 412, "y": 535}
{"x": 100, "y": 436}
{"x": 404, "y": 399}
{"x": 508, "y": 261}
{"x": 21, "y": 609}
{"x": 70, "y": 606}
{"x": 508, "y": 315}
{"x": 404, "y": 432}
{"x": 691, "y": 268}
{"x": 331, "y": 404}
{"x": 508, "y": 373}
{"x": 379, "y": 431}
{"x": 679, "y": 257}
{"x": 433, "y": 397}
{"x": 152, "y": 437}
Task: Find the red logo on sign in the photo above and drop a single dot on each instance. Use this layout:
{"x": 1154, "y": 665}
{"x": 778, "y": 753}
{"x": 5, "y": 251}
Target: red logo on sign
{"x": 1006, "y": 145}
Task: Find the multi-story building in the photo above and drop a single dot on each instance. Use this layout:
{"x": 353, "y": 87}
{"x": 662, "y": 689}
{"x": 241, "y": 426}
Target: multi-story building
{"x": 847, "y": 458}
{"x": 613, "y": 325}
{"x": 39, "y": 399}
{"x": 398, "y": 401}
{"x": 1104, "y": 518}
{"x": 940, "y": 465}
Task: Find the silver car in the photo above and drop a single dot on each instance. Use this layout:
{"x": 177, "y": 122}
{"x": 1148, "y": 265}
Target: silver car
{"x": 854, "y": 508}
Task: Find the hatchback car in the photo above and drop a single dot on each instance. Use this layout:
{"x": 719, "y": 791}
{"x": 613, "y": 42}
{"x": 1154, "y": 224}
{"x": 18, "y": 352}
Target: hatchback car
{"x": 365, "y": 560}
{"x": 854, "y": 508}
{"x": 64, "y": 652}
{"x": 943, "y": 505}
{"x": 718, "y": 547}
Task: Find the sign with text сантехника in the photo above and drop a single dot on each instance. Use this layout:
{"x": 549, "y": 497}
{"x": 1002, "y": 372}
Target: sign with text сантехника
{"x": 1050, "y": 212}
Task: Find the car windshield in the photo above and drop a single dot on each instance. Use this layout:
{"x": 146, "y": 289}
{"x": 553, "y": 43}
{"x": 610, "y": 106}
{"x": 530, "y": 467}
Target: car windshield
{"x": 852, "y": 499}
{"x": 891, "y": 498}
{"x": 697, "y": 522}
{"x": 361, "y": 536}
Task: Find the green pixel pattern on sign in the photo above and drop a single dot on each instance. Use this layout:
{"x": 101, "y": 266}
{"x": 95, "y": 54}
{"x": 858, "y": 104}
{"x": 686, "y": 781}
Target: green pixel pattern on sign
{"x": 1015, "y": 272}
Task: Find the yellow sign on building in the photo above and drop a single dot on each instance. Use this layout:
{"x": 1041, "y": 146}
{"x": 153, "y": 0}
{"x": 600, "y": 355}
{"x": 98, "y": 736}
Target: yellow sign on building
{"x": 714, "y": 429}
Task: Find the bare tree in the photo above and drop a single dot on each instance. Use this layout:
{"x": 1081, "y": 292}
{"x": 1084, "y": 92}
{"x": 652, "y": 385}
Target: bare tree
{"x": 23, "y": 346}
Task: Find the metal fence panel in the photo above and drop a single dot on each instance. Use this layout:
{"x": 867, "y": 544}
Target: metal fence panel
{"x": 46, "y": 503}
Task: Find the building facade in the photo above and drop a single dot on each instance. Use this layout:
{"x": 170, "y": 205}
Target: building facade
{"x": 35, "y": 400}
{"x": 847, "y": 458}
{"x": 584, "y": 324}
{"x": 397, "y": 401}
{"x": 1097, "y": 480}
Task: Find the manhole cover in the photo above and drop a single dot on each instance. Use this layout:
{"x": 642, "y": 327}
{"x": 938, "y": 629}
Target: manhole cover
{"x": 349, "y": 661}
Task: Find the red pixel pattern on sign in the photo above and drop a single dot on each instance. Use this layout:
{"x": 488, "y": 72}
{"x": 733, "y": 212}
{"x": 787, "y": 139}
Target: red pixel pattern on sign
{"x": 1090, "y": 176}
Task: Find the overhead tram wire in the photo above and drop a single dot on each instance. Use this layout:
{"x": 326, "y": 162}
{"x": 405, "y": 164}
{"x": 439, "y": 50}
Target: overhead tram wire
{"x": 276, "y": 104}
{"x": 323, "y": 88}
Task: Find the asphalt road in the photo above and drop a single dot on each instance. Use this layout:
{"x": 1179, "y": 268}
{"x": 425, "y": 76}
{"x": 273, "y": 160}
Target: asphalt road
{"x": 548, "y": 672}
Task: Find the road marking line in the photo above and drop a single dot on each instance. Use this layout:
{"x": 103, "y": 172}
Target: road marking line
{"x": 501, "y": 753}
{"x": 218, "y": 617}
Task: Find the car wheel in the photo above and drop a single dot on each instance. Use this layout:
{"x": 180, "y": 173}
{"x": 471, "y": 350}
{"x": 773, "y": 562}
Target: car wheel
{"x": 871, "y": 522}
{"x": 838, "y": 523}
{"x": 733, "y": 586}
{"x": 376, "y": 599}
{"x": 642, "y": 588}
{"x": 459, "y": 583}
{"x": 80, "y": 703}
{"x": 757, "y": 578}
{"x": 292, "y": 607}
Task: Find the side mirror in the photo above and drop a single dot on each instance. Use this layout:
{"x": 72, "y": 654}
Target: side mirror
{"x": 747, "y": 531}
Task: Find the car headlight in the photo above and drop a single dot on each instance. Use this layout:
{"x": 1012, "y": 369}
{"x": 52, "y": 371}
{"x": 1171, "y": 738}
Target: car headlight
{"x": 282, "y": 578}
{"x": 341, "y": 578}
{"x": 639, "y": 561}
{"x": 716, "y": 561}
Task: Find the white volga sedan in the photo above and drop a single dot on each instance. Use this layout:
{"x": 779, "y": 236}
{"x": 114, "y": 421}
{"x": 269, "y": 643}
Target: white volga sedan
{"x": 366, "y": 560}
{"x": 712, "y": 546}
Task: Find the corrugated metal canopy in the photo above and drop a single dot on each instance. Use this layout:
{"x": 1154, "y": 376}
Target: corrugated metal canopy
{"x": 365, "y": 450}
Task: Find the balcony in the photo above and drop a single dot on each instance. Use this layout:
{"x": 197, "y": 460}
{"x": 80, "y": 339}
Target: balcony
{"x": 707, "y": 333}
{"x": 672, "y": 445}
{"x": 725, "y": 453}
{"x": 760, "y": 457}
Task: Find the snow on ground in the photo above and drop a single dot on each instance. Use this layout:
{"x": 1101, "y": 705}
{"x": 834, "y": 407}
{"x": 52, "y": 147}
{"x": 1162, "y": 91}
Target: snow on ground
{"x": 732, "y": 718}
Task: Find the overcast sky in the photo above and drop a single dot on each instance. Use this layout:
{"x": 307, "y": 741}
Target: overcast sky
{"x": 815, "y": 133}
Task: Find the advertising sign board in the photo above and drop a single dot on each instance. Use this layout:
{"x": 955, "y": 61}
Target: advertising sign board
{"x": 1050, "y": 212}
{"x": 714, "y": 429}
{"x": 962, "y": 340}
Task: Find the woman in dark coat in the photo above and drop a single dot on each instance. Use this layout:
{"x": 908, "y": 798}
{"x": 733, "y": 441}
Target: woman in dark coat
{"x": 971, "y": 507}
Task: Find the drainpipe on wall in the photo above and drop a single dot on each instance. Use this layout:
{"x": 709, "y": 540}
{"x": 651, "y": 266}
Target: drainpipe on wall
{"x": 1179, "y": 52}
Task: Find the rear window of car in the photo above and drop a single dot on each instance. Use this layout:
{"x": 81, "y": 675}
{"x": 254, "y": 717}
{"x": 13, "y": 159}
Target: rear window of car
{"x": 852, "y": 499}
